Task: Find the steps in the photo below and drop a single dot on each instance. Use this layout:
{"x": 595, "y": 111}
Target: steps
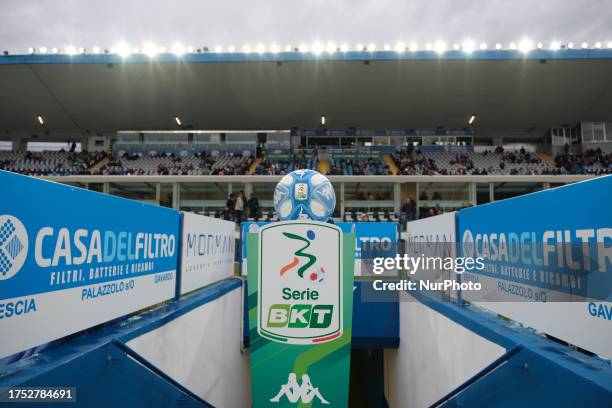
{"x": 548, "y": 159}
{"x": 323, "y": 166}
{"x": 99, "y": 165}
{"x": 254, "y": 165}
{"x": 391, "y": 163}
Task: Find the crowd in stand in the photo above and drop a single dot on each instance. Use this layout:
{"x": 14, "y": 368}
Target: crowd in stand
{"x": 592, "y": 161}
{"x": 274, "y": 167}
{"x": 414, "y": 163}
{"x": 201, "y": 164}
{"x": 61, "y": 163}
{"x": 372, "y": 166}
{"x": 409, "y": 162}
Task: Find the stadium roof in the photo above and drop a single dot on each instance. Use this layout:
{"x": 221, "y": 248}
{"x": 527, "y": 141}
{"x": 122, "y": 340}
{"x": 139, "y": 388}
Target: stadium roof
{"x": 507, "y": 90}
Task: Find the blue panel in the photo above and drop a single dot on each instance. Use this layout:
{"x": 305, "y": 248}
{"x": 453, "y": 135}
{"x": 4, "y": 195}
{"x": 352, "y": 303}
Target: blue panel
{"x": 577, "y": 213}
{"x": 375, "y": 324}
{"x": 101, "y": 232}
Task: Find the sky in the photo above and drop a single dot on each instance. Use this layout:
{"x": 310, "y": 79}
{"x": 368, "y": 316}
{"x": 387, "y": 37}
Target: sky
{"x": 199, "y": 23}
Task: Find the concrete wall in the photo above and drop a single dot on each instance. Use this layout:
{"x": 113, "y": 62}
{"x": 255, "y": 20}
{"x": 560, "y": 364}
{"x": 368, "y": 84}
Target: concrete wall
{"x": 202, "y": 351}
{"x": 435, "y": 356}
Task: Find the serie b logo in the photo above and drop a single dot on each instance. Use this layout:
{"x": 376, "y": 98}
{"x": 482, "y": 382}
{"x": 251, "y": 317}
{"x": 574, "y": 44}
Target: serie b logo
{"x": 300, "y": 282}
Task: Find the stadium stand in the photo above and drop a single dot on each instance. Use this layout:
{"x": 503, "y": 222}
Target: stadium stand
{"x": 60, "y": 163}
{"x": 201, "y": 164}
{"x": 408, "y": 162}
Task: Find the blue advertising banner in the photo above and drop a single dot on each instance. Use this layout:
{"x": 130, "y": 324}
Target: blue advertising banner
{"x": 71, "y": 259}
{"x": 365, "y": 233}
{"x": 547, "y": 260}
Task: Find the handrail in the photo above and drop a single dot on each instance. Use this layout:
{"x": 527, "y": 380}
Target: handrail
{"x": 337, "y": 179}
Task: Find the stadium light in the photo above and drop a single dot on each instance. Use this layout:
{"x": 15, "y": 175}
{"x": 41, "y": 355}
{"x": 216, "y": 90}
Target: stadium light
{"x": 570, "y": 45}
{"x": 178, "y": 49}
{"x": 598, "y": 45}
{"x": 512, "y": 46}
{"x": 472, "y": 119}
{"x": 400, "y": 47}
{"x": 344, "y": 47}
{"x": 54, "y": 50}
{"x": 323, "y": 120}
{"x": 371, "y": 47}
{"x": 387, "y": 47}
{"x": 162, "y": 50}
{"x": 468, "y": 46}
{"x": 31, "y": 50}
{"x": 190, "y": 49}
{"x": 70, "y": 50}
{"x": 113, "y": 50}
{"x": 123, "y": 50}
{"x": 413, "y": 47}
{"x": 218, "y": 49}
{"x": 136, "y": 50}
{"x": 555, "y": 45}
{"x": 303, "y": 47}
{"x": 178, "y": 121}
{"x": 440, "y": 47}
{"x": 316, "y": 48}
{"x": 150, "y": 50}
{"x": 274, "y": 48}
{"x": 428, "y": 47}
{"x": 231, "y": 48}
{"x": 40, "y": 119}
{"x": 498, "y": 46}
{"x": 359, "y": 47}
{"x": 287, "y": 48}
{"x": 260, "y": 48}
{"x": 456, "y": 47}
{"x": 42, "y": 50}
{"x": 483, "y": 46}
{"x": 330, "y": 47}
{"x": 525, "y": 46}
{"x": 96, "y": 50}
{"x": 539, "y": 46}
{"x": 246, "y": 48}
{"x": 609, "y": 45}
{"x": 585, "y": 45}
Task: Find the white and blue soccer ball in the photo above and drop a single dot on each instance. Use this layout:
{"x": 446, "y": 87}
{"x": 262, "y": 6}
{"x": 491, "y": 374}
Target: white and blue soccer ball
{"x": 304, "y": 194}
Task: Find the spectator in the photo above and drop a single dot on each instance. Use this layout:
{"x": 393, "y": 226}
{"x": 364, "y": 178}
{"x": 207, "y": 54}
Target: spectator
{"x": 230, "y": 204}
{"x": 408, "y": 210}
{"x": 239, "y": 207}
{"x": 253, "y": 206}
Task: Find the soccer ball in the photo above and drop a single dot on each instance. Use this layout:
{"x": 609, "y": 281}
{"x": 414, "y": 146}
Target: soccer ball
{"x": 304, "y": 194}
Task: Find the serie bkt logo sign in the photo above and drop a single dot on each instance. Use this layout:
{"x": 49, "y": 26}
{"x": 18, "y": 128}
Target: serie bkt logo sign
{"x": 300, "y": 282}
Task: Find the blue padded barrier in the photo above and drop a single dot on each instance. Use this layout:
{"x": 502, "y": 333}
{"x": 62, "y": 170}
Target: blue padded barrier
{"x": 534, "y": 369}
{"x": 101, "y": 357}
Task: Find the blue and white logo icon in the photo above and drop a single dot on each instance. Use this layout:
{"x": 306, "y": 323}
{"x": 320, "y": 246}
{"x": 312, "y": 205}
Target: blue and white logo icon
{"x": 13, "y": 246}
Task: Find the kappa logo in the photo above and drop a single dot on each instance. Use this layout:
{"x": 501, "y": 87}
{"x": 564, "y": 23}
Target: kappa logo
{"x": 13, "y": 246}
{"x": 314, "y": 276}
{"x": 295, "y": 392}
